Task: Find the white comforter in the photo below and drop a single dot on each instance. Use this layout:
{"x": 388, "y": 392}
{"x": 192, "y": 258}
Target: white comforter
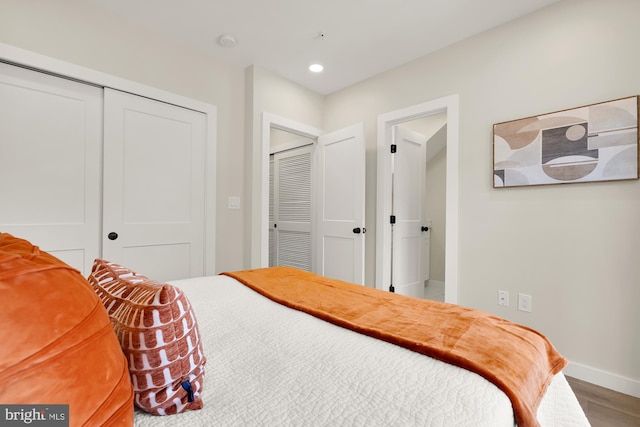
{"x": 268, "y": 365}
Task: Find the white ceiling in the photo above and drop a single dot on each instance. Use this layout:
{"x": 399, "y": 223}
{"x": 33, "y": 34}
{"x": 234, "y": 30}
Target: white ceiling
{"x": 362, "y": 37}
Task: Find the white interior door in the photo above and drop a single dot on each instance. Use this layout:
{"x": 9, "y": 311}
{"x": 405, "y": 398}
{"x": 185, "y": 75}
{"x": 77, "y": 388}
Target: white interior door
{"x": 290, "y": 208}
{"x": 154, "y": 195}
{"x": 341, "y": 189}
{"x": 50, "y": 141}
{"x": 408, "y": 232}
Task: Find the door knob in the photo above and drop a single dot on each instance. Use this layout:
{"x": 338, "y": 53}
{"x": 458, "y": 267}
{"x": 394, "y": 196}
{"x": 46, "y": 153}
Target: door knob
{"x": 112, "y": 236}
{"x": 424, "y": 228}
{"x": 357, "y": 230}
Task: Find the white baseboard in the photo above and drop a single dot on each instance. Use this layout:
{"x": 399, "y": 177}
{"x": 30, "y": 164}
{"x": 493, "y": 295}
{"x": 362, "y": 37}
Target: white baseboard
{"x": 603, "y": 379}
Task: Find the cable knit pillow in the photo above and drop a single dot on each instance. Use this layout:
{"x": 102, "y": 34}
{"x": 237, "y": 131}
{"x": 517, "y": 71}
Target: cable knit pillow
{"x": 158, "y": 333}
{"x": 57, "y": 344}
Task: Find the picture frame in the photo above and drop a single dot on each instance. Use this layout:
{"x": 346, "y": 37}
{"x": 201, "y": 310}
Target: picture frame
{"x": 596, "y": 142}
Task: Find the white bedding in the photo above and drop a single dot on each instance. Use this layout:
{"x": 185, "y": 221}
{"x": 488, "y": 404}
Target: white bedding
{"x": 268, "y": 365}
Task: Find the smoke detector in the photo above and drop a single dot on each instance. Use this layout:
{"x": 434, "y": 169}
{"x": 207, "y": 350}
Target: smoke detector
{"x": 226, "y": 40}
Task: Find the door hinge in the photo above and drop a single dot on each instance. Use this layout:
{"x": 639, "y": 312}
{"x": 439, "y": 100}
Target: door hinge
{"x": 392, "y": 219}
{"x": 394, "y": 147}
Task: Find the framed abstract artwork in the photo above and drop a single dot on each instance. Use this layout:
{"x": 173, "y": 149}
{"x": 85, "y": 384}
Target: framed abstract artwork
{"x": 597, "y": 142}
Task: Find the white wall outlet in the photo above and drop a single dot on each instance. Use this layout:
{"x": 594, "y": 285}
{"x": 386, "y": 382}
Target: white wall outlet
{"x": 525, "y": 302}
{"x": 234, "y": 202}
{"x": 503, "y": 298}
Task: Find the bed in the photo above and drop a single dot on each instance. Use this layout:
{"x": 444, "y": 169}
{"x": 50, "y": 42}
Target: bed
{"x": 268, "y": 358}
{"x": 273, "y": 365}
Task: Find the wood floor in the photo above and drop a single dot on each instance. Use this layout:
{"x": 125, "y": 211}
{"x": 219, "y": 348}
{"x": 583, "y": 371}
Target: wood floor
{"x": 604, "y": 407}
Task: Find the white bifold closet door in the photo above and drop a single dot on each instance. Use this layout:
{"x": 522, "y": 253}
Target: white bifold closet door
{"x": 153, "y": 209}
{"x": 50, "y": 163}
{"x": 290, "y": 226}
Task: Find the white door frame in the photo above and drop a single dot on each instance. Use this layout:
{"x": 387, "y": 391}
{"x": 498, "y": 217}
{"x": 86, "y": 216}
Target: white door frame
{"x": 450, "y": 106}
{"x": 44, "y": 63}
{"x": 261, "y": 216}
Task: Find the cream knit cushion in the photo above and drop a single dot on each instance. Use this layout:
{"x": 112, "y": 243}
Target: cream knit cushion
{"x": 158, "y": 332}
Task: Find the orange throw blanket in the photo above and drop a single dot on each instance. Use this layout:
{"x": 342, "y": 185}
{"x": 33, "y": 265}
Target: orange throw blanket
{"x": 518, "y": 360}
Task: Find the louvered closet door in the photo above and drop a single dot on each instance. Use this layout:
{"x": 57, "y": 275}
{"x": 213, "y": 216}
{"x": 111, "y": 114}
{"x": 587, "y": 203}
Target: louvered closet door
{"x": 290, "y": 235}
{"x": 50, "y": 148}
{"x": 154, "y": 186}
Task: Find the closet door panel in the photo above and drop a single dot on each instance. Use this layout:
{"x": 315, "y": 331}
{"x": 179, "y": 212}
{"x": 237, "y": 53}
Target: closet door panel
{"x": 50, "y": 157}
{"x": 154, "y": 196}
{"x": 290, "y": 187}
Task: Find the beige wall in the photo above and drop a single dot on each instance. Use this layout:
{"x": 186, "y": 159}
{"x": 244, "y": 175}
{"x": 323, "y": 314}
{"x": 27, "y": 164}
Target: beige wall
{"x": 574, "y": 247}
{"x": 435, "y": 203}
{"x": 77, "y": 32}
{"x": 435, "y": 210}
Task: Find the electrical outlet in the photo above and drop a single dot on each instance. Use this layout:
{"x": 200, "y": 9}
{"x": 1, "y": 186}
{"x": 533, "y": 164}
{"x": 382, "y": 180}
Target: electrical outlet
{"x": 503, "y": 298}
{"x": 525, "y": 302}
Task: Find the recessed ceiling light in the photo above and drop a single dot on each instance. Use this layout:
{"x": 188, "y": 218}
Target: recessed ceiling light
{"x": 316, "y": 68}
{"x": 226, "y": 40}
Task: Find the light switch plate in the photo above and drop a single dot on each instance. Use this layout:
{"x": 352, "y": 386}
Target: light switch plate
{"x": 234, "y": 202}
{"x": 503, "y": 298}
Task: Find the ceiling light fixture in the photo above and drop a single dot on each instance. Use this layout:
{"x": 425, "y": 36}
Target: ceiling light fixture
{"x": 226, "y": 40}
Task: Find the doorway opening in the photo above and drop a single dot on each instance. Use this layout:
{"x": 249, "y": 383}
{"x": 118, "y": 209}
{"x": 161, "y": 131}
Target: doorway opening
{"x": 338, "y": 188}
{"x": 286, "y": 134}
{"x": 291, "y": 201}
{"x": 418, "y": 172}
{"x": 448, "y": 107}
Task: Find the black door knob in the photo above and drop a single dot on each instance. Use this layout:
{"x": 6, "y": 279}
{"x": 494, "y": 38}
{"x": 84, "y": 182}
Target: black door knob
{"x": 425, "y": 228}
{"x": 357, "y": 230}
{"x": 112, "y": 236}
